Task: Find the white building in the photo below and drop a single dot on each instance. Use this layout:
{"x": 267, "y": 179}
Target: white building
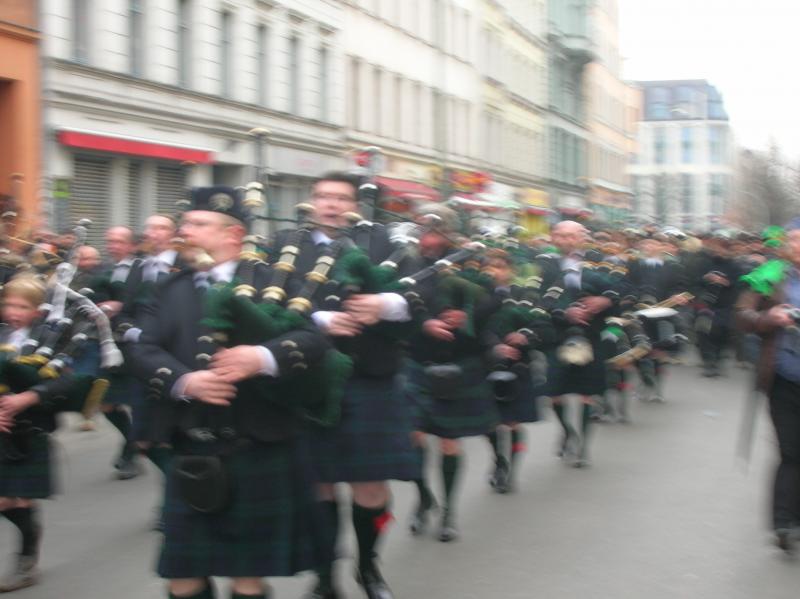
{"x": 448, "y": 89}
{"x": 685, "y": 166}
{"x": 132, "y": 88}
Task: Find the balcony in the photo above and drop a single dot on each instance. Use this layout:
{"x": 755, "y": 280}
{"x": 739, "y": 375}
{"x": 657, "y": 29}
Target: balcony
{"x": 579, "y": 48}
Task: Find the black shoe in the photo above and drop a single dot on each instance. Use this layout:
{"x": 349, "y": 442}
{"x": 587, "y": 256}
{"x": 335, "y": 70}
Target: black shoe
{"x": 322, "y": 592}
{"x": 128, "y": 469}
{"x": 372, "y": 581}
{"x": 786, "y": 539}
{"x": 448, "y": 531}
{"x": 500, "y": 479}
{"x": 419, "y": 519}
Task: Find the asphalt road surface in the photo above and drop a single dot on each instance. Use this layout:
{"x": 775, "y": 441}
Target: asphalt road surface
{"x": 665, "y": 511}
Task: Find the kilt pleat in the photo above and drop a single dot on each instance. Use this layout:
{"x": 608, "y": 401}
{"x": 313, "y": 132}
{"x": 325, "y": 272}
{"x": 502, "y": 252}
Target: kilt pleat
{"x": 33, "y": 477}
{"x": 523, "y": 407}
{"x": 273, "y": 526}
{"x": 373, "y": 440}
{"x": 473, "y": 412}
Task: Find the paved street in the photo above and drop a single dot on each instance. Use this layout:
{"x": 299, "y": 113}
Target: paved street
{"x": 665, "y": 512}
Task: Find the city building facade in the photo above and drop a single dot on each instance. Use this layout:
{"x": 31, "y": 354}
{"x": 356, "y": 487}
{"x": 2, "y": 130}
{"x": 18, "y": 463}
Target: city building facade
{"x": 571, "y": 48}
{"x": 610, "y": 126}
{"x": 20, "y": 121}
{"x": 683, "y": 174}
{"x": 142, "y": 99}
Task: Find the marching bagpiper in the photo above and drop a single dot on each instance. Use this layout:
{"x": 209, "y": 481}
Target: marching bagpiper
{"x": 239, "y": 495}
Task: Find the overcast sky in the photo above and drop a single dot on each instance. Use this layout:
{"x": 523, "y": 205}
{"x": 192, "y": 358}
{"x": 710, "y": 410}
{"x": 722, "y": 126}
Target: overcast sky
{"x": 746, "y": 48}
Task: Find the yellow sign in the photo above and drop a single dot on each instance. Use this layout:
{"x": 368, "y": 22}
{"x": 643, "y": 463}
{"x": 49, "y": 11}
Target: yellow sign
{"x": 534, "y": 197}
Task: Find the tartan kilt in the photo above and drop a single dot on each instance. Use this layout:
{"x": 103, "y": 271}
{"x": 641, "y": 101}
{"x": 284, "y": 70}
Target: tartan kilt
{"x": 473, "y": 412}
{"x": 31, "y": 478}
{"x": 563, "y": 379}
{"x": 523, "y": 407}
{"x": 372, "y": 442}
{"x": 273, "y": 527}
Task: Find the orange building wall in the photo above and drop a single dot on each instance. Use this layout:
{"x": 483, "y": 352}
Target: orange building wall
{"x": 20, "y": 127}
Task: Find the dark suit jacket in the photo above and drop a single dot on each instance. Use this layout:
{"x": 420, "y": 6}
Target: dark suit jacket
{"x": 661, "y": 281}
{"x": 375, "y": 353}
{"x": 171, "y": 344}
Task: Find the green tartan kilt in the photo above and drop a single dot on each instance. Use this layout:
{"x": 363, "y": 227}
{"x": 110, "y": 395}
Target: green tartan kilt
{"x": 31, "y": 478}
{"x": 473, "y": 412}
{"x": 373, "y": 440}
{"x": 273, "y": 526}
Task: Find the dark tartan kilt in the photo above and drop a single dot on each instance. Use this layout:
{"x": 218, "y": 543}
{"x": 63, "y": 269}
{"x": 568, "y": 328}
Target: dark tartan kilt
{"x": 31, "y": 478}
{"x": 523, "y": 407}
{"x": 273, "y": 527}
{"x": 473, "y": 412}
{"x": 563, "y": 379}
{"x": 373, "y": 440}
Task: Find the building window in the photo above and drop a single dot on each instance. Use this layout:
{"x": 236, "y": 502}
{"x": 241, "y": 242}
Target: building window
{"x": 660, "y": 147}
{"x": 323, "y": 83}
{"x": 80, "y": 30}
{"x": 398, "y": 107}
{"x": 184, "y": 42}
{"x": 417, "y": 114}
{"x": 717, "y": 150}
{"x": 687, "y": 194}
{"x": 658, "y": 104}
{"x": 716, "y": 190}
{"x": 294, "y": 74}
{"x": 686, "y": 145}
{"x": 135, "y": 43}
{"x": 355, "y": 90}
{"x": 225, "y": 63}
{"x": 377, "y": 88}
{"x": 262, "y": 76}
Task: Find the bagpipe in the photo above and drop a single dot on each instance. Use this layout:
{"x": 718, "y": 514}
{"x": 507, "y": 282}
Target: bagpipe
{"x": 240, "y": 313}
{"x": 67, "y": 320}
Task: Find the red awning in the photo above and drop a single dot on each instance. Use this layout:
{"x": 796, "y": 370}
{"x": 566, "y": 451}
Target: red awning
{"x": 538, "y": 210}
{"x": 574, "y": 211}
{"x": 407, "y": 190}
{"x": 132, "y": 147}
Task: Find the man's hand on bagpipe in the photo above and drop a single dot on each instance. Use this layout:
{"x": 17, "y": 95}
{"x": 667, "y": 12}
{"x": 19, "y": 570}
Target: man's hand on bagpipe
{"x": 364, "y": 308}
{"x": 13, "y": 404}
{"x": 209, "y": 387}
{"x": 236, "y": 364}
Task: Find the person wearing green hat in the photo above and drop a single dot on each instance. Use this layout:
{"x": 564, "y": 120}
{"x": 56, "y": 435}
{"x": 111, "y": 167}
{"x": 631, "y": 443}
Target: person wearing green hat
{"x": 769, "y": 308}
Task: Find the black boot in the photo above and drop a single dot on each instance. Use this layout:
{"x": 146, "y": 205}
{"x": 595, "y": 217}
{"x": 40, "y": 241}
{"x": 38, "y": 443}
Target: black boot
{"x": 370, "y": 525}
{"x": 426, "y": 504}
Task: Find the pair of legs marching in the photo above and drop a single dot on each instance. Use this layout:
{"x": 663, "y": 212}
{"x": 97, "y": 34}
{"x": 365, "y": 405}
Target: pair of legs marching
{"x": 508, "y": 444}
{"x": 24, "y": 515}
{"x": 371, "y": 517}
{"x": 451, "y": 463}
{"x": 574, "y": 445}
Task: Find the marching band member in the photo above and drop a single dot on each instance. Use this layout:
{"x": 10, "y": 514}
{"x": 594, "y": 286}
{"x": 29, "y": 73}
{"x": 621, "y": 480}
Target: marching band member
{"x": 239, "y": 502}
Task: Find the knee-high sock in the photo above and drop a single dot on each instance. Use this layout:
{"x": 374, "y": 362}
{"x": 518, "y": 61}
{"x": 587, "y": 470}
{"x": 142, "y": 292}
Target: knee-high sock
{"x": 450, "y": 467}
{"x": 370, "y": 525}
{"x": 586, "y": 422}
{"x": 325, "y": 571}
{"x": 426, "y": 499}
{"x": 558, "y": 408}
{"x": 518, "y": 446}
{"x": 24, "y": 518}
{"x": 121, "y": 421}
{"x": 495, "y": 442}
